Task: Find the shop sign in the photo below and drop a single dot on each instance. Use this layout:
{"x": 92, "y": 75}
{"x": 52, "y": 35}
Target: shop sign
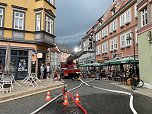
{"x": 39, "y": 55}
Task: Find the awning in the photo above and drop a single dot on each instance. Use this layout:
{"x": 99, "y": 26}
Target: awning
{"x": 112, "y": 62}
{"x": 92, "y": 65}
{"x": 128, "y": 60}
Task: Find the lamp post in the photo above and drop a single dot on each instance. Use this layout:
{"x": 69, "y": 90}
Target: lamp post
{"x": 128, "y": 39}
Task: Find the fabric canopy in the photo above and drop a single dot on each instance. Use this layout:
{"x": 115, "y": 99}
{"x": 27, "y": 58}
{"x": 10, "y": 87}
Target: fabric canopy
{"x": 91, "y": 65}
{"x": 112, "y": 62}
{"x": 128, "y": 60}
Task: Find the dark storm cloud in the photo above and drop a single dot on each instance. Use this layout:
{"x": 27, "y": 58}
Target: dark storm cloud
{"x": 75, "y": 17}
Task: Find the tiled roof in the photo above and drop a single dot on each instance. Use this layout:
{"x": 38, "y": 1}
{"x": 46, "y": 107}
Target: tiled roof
{"x": 63, "y": 48}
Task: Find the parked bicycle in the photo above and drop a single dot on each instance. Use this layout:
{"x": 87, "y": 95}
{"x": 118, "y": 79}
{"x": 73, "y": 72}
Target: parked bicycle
{"x": 136, "y": 82}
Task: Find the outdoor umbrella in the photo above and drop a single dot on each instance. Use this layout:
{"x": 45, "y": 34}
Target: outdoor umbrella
{"x": 128, "y": 60}
{"x": 7, "y": 58}
{"x": 87, "y": 65}
{"x": 112, "y": 62}
{"x": 7, "y": 55}
{"x": 95, "y": 64}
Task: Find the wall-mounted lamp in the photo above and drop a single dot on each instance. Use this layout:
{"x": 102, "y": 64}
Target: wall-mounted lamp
{"x": 149, "y": 36}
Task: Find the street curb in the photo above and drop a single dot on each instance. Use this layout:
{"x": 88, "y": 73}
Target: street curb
{"x": 29, "y": 93}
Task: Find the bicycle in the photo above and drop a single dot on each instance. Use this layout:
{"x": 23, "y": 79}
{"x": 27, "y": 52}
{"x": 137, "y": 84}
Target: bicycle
{"x": 136, "y": 83}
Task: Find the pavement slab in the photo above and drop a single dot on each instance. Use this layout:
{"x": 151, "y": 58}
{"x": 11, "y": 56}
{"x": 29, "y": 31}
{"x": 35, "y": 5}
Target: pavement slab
{"x": 24, "y": 90}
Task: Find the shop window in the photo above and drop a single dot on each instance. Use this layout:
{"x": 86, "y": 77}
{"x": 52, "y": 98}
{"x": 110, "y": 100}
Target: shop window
{"x": 1, "y": 52}
{"x": 21, "y": 52}
{"x": 25, "y": 53}
{"x": 22, "y": 66}
{"x": 13, "y": 52}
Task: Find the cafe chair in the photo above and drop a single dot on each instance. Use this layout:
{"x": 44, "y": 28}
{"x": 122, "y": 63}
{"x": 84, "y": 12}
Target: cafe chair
{"x": 6, "y": 83}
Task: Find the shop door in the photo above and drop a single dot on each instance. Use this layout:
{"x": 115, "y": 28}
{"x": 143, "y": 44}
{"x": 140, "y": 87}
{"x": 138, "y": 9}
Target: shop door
{"x": 40, "y": 61}
{"x": 19, "y": 58}
{"x": 22, "y": 67}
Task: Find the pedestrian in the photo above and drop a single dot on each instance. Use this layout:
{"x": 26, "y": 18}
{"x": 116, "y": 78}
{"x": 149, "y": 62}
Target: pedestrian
{"x": 101, "y": 74}
{"x": 57, "y": 75}
{"x": 42, "y": 71}
{"x": 48, "y": 70}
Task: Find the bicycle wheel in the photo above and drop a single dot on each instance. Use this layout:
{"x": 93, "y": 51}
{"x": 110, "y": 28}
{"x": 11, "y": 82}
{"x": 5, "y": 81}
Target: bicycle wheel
{"x": 140, "y": 84}
{"x": 133, "y": 86}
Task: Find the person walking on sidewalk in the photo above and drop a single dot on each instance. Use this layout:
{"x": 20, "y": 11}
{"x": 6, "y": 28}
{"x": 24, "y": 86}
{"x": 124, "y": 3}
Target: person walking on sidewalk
{"x": 48, "y": 70}
{"x": 42, "y": 71}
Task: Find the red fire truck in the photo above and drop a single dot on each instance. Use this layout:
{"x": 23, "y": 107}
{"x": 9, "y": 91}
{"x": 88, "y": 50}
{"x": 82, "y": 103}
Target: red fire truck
{"x": 69, "y": 68}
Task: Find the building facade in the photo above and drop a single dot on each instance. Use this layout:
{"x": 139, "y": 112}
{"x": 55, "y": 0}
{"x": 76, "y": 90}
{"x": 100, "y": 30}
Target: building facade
{"x": 145, "y": 40}
{"x": 87, "y": 48}
{"x": 29, "y": 30}
{"x": 55, "y": 58}
{"x": 65, "y": 52}
{"x": 113, "y": 29}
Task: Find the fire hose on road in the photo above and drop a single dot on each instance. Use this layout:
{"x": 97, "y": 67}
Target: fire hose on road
{"x": 83, "y": 82}
{"x": 115, "y": 91}
{"x": 85, "y": 112}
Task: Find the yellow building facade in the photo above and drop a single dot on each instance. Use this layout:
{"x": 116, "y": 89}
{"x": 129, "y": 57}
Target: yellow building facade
{"x": 28, "y": 27}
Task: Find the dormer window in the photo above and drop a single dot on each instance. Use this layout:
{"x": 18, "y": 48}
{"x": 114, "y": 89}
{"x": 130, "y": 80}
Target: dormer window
{"x": 113, "y": 11}
{"x": 51, "y": 2}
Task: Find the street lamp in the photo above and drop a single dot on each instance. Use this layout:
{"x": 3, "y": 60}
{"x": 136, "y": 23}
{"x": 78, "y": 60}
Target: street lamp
{"x": 76, "y": 49}
{"x": 130, "y": 37}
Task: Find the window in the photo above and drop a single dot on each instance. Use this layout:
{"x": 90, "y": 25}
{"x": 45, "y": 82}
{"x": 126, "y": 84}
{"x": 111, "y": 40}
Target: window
{"x": 105, "y": 31}
{"x": 98, "y": 36}
{"x": 49, "y": 25}
{"x": 115, "y": 25}
{"x": 136, "y": 35}
{"x": 18, "y": 20}
{"x": 105, "y": 47}
{"x": 102, "y": 33}
{"x": 122, "y": 20}
{"x": 113, "y": 44}
{"x": 52, "y": 2}
{"x": 98, "y": 50}
{"x": 128, "y": 42}
{"x": 128, "y": 16}
{"x": 122, "y": 40}
{"x": 1, "y": 17}
{"x": 38, "y": 22}
{"x": 136, "y": 12}
{"x": 111, "y": 27}
{"x": 144, "y": 19}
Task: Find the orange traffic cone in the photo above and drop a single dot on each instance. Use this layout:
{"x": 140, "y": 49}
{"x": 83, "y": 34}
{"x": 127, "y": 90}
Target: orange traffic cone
{"x": 48, "y": 98}
{"x": 77, "y": 97}
{"x": 65, "y": 103}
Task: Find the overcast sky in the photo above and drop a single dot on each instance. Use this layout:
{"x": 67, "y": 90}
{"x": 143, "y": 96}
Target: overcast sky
{"x": 75, "y": 17}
